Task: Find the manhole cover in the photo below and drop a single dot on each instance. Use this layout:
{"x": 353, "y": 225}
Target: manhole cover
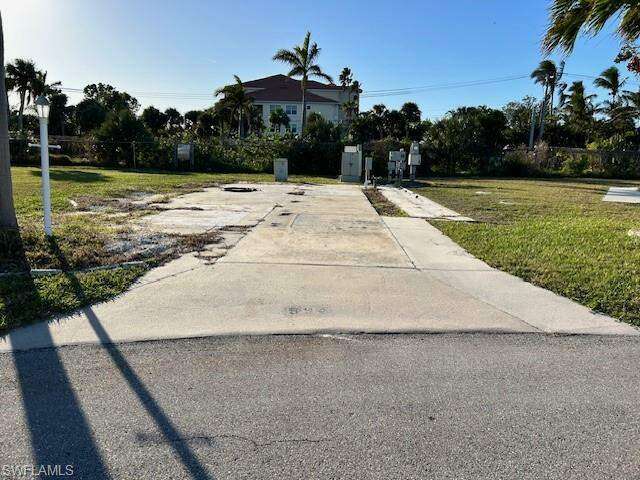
{"x": 240, "y": 189}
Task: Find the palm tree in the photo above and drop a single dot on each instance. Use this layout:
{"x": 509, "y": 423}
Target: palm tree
{"x": 302, "y": 60}
{"x": 22, "y": 75}
{"x": 548, "y": 75}
{"x": 7, "y": 210}
{"x": 568, "y": 18}
{"x": 610, "y": 80}
{"x": 346, "y": 78}
{"x": 39, "y": 85}
{"x": 236, "y": 101}
{"x": 278, "y": 117}
{"x": 379, "y": 113}
{"x": 578, "y": 109}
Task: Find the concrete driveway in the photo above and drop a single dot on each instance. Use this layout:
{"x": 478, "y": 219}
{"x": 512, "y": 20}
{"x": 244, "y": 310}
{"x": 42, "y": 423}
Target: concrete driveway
{"x": 317, "y": 259}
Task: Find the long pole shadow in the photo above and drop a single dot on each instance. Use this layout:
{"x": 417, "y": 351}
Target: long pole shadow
{"x": 196, "y": 469}
{"x": 61, "y": 438}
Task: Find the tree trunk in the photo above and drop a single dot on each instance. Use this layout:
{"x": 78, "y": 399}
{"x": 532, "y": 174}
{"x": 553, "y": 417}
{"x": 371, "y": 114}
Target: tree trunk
{"x": 304, "y": 105}
{"x": 239, "y": 124}
{"x": 7, "y": 210}
{"x": 21, "y": 113}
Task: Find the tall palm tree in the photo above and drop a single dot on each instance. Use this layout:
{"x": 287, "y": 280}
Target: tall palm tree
{"x": 236, "y": 101}
{"x": 379, "y": 113}
{"x": 577, "y": 108}
{"x": 7, "y": 210}
{"x": 610, "y": 80}
{"x": 569, "y": 18}
{"x": 346, "y": 78}
{"x": 614, "y": 107}
{"x": 39, "y": 85}
{"x": 548, "y": 75}
{"x": 22, "y": 76}
{"x": 302, "y": 60}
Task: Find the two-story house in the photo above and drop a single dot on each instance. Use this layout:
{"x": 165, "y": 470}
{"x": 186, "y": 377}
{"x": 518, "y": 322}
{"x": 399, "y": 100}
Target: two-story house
{"x": 280, "y": 91}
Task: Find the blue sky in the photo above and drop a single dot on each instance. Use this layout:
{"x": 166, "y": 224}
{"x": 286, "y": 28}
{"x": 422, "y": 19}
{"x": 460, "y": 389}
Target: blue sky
{"x": 188, "y": 48}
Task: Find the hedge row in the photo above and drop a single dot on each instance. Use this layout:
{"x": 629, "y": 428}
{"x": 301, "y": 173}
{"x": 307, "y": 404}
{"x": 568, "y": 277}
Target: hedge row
{"x": 256, "y": 154}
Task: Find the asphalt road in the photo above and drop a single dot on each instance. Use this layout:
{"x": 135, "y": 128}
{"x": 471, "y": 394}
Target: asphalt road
{"x": 366, "y": 407}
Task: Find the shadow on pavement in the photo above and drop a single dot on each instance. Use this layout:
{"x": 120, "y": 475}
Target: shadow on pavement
{"x": 60, "y": 433}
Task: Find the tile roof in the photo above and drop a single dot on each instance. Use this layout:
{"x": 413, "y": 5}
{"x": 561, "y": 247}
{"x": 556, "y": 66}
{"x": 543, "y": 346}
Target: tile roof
{"x": 287, "y": 94}
{"x": 280, "y": 80}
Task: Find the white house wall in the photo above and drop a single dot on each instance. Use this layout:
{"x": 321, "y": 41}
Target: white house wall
{"x": 330, "y": 111}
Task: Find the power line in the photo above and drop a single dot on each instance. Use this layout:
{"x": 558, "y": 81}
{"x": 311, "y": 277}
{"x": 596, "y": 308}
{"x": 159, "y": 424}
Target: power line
{"x": 365, "y": 94}
{"x": 444, "y": 85}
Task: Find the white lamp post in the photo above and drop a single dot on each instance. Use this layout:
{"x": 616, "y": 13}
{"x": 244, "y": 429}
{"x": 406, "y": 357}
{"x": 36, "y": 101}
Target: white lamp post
{"x": 42, "y": 107}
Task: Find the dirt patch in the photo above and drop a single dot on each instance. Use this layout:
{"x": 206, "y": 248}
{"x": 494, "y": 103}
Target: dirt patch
{"x": 383, "y": 206}
{"x": 156, "y": 248}
{"x": 89, "y": 203}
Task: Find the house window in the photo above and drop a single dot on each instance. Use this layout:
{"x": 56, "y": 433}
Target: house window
{"x": 273, "y": 108}
{"x": 291, "y": 110}
{"x": 293, "y": 128}
{"x": 308, "y": 107}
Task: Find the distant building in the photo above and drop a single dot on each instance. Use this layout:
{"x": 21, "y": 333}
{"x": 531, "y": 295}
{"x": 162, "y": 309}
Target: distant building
{"x": 280, "y": 91}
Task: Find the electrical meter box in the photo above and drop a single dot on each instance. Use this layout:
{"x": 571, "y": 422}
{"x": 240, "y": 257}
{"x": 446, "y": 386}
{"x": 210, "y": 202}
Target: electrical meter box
{"x": 351, "y": 164}
{"x": 281, "y": 169}
{"x": 397, "y": 156}
{"x": 414, "y": 154}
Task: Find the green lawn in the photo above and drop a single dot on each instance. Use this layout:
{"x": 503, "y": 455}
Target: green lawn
{"x": 557, "y": 234}
{"x": 83, "y": 234}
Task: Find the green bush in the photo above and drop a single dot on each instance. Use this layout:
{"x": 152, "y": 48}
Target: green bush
{"x": 514, "y": 163}
{"x": 574, "y": 164}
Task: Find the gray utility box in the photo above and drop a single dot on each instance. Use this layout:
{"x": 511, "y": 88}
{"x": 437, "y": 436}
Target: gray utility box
{"x": 351, "y": 164}
{"x": 281, "y": 169}
{"x": 414, "y": 154}
{"x": 397, "y": 159}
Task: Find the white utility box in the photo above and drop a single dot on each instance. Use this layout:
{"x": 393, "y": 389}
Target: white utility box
{"x": 414, "y": 154}
{"x": 281, "y": 169}
{"x": 351, "y": 164}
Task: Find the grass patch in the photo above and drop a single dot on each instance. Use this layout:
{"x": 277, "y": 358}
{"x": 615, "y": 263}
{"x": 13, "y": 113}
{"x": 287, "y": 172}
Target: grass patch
{"x": 92, "y": 209}
{"x": 383, "y": 206}
{"x": 557, "y": 234}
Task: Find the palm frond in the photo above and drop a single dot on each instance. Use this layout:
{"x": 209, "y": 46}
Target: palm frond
{"x": 286, "y": 56}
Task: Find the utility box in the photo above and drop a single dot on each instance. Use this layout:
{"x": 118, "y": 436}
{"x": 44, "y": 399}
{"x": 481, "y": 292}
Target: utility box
{"x": 281, "y": 169}
{"x": 396, "y": 164}
{"x": 397, "y": 160}
{"x": 414, "y": 154}
{"x": 185, "y": 152}
{"x": 368, "y": 166}
{"x": 351, "y": 168}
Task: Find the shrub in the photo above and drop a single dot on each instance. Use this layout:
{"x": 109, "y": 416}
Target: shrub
{"x": 574, "y": 164}
{"x": 515, "y": 163}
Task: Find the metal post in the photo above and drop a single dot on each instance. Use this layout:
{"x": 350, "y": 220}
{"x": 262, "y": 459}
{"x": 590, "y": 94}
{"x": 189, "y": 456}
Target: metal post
{"x": 44, "y": 164}
{"x": 533, "y": 126}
